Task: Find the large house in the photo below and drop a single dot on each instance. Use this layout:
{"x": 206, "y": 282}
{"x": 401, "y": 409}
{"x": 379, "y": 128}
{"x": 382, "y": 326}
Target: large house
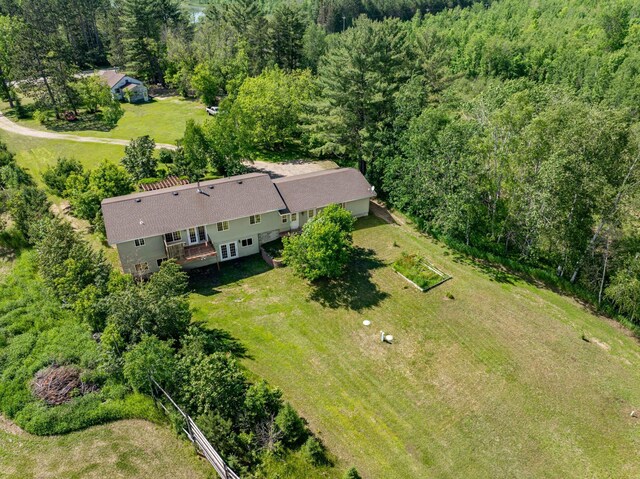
{"x": 204, "y": 223}
{"x": 124, "y": 87}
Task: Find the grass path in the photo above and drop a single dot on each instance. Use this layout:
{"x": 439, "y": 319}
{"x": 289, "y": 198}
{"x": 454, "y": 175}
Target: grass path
{"x": 123, "y": 449}
{"x": 495, "y": 383}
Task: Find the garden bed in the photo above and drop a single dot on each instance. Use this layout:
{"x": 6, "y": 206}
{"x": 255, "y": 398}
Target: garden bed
{"x": 419, "y": 272}
{"x": 272, "y": 253}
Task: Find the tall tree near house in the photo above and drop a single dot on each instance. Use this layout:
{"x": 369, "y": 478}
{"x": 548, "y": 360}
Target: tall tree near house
{"x": 286, "y": 32}
{"x": 314, "y": 44}
{"x": 358, "y": 77}
{"x": 250, "y": 28}
{"x": 193, "y": 159}
{"x": 27, "y": 206}
{"x": 144, "y": 27}
{"x": 139, "y": 160}
{"x": 87, "y": 191}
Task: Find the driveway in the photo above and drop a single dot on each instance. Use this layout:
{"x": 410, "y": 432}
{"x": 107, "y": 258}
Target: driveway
{"x": 12, "y": 127}
{"x": 275, "y": 170}
{"x": 289, "y": 168}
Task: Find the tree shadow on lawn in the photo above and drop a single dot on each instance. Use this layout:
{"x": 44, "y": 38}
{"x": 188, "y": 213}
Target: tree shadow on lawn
{"x": 354, "y": 290}
{"x": 205, "y": 281}
{"x": 215, "y": 340}
{"x": 495, "y": 272}
{"x": 85, "y": 122}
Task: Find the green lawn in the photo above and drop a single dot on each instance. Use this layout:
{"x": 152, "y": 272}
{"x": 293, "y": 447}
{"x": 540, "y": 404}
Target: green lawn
{"x": 119, "y": 450}
{"x": 163, "y": 119}
{"x": 37, "y": 153}
{"x": 495, "y": 383}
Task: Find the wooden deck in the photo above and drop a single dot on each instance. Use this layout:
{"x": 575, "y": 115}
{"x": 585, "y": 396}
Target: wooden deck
{"x": 198, "y": 251}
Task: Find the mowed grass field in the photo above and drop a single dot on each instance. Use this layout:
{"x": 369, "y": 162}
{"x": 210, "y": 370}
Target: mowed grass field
{"x": 496, "y": 383}
{"x": 35, "y": 154}
{"x": 123, "y": 449}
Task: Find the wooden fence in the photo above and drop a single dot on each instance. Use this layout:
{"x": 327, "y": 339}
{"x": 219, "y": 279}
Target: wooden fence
{"x": 194, "y": 434}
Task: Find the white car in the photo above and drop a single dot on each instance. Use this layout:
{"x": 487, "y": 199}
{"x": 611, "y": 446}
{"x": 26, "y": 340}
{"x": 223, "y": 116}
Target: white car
{"x": 212, "y": 110}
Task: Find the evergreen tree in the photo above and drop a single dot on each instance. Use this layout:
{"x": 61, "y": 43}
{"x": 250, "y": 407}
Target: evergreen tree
{"x": 358, "y": 77}
{"x": 287, "y": 29}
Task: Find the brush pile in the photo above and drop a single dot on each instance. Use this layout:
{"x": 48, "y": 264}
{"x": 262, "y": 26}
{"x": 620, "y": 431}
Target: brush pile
{"x": 59, "y": 384}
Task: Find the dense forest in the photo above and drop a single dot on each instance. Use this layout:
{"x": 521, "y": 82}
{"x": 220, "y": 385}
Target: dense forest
{"x": 508, "y": 128}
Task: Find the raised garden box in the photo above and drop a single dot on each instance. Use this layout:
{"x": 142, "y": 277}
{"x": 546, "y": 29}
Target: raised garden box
{"x": 419, "y": 272}
{"x": 272, "y": 253}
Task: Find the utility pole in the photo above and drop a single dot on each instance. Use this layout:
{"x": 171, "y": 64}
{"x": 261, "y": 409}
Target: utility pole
{"x": 344, "y": 20}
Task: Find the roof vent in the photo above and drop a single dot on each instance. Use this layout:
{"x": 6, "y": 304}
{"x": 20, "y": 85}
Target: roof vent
{"x": 175, "y": 193}
{"x": 210, "y": 187}
{"x": 141, "y": 222}
{"x": 240, "y": 182}
{"x": 138, "y": 200}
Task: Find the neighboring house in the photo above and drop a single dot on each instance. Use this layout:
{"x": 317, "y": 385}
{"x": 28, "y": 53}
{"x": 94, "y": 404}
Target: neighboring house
{"x": 213, "y": 221}
{"x": 124, "y": 87}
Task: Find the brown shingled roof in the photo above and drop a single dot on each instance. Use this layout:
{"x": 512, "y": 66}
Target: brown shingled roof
{"x": 321, "y": 188}
{"x": 152, "y": 213}
{"x": 112, "y": 77}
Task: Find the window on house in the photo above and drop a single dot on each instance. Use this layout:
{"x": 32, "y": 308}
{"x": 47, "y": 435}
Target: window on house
{"x": 284, "y": 218}
{"x": 160, "y": 261}
{"x": 142, "y": 268}
{"x": 343, "y": 205}
{"x": 294, "y": 216}
{"x": 311, "y": 213}
{"x": 254, "y": 219}
{"x": 139, "y": 242}
{"x": 246, "y": 242}
{"x": 175, "y": 236}
{"x": 223, "y": 226}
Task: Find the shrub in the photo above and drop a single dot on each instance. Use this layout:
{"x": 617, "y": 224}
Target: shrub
{"x": 150, "y": 358}
{"x": 112, "y": 114}
{"x": 27, "y": 206}
{"x": 213, "y": 383}
{"x": 227, "y": 441}
{"x": 324, "y": 247}
{"x": 261, "y": 404}
{"x": 86, "y": 411}
{"x": 55, "y": 177}
{"x": 314, "y": 451}
{"x": 293, "y": 427}
{"x": 41, "y": 116}
{"x": 165, "y": 156}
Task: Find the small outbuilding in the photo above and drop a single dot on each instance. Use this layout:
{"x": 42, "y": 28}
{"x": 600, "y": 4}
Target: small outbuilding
{"x": 124, "y": 87}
